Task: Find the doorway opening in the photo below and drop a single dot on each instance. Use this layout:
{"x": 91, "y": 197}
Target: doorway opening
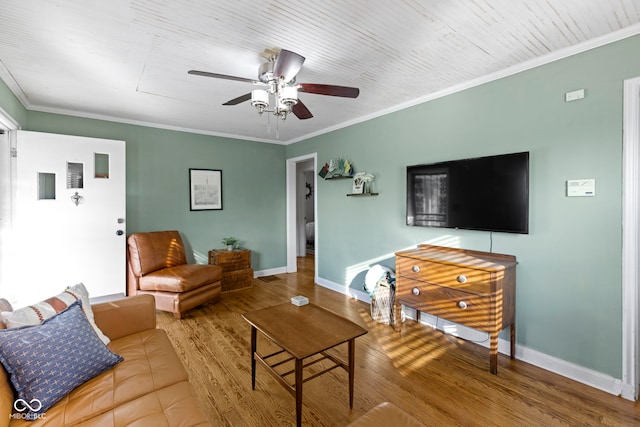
{"x": 302, "y": 224}
{"x": 306, "y": 208}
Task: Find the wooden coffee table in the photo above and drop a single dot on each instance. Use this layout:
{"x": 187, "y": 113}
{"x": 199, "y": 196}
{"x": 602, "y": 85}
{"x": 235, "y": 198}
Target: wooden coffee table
{"x": 302, "y": 332}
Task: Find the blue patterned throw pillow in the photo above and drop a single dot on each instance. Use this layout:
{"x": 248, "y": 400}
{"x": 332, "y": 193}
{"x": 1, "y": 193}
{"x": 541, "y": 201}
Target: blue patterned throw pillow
{"x": 46, "y": 362}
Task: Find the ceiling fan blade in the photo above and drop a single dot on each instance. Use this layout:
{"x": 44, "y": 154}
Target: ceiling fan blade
{"x": 301, "y": 111}
{"x": 238, "y": 100}
{"x": 287, "y": 65}
{"x": 222, "y": 76}
{"x": 331, "y": 90}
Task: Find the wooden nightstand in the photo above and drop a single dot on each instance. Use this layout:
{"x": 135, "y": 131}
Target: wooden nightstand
{"x": 236, "y": 268}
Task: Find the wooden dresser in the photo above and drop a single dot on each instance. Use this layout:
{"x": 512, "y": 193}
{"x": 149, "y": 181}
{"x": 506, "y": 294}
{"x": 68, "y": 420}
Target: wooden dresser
{"x": 472, "y": 288}
{"x": 236, "y": 268}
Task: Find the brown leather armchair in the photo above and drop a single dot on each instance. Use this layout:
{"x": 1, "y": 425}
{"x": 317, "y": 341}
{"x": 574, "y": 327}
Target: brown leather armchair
{"x": 157, "y": 265}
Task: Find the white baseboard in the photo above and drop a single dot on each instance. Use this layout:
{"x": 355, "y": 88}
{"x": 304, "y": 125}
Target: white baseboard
{"x": 629, "y": 392}
{"x": 570, "y": 370}
{"x": 269, "y": 272}
{"x": 353, "y": 293}
{"x": 561, "y": 367}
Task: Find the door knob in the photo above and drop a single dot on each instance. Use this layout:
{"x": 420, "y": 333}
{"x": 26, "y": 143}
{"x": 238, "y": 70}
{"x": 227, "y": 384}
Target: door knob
{"x": 119, "y": 232}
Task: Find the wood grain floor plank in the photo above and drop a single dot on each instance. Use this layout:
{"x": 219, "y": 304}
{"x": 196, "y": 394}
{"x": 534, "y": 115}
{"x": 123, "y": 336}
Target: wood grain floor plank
{"x": 439, "y": 379}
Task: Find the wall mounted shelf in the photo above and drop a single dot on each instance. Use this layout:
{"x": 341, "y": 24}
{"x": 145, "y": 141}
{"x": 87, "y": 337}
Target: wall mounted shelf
{"x": 362, "y": 194}
{"x": 339, "y": 177}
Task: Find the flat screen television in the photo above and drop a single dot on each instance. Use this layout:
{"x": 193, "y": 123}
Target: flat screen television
{"x": 485, "y": 193}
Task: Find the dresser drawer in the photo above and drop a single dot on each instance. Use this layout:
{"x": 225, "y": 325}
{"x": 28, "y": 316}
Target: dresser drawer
{"x": 469, "y": 279}
{"x": 471, "y": 288}
{"x": 452, "y": 304}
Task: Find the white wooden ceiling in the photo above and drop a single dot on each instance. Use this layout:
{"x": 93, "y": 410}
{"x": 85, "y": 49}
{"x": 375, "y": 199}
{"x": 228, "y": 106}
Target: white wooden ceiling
{"x": 127, "y": 60}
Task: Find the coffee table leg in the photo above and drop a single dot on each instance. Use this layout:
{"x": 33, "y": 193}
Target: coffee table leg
{"x": 352, "y": 358}
{"x": 298, "y": 392}
{"x": 254, "y": 336}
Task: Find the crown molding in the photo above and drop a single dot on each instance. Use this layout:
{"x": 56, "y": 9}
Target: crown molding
{"x": 557, "y": 55}
{"x": 554, "y": 56}
{"x": 14, "y": 87}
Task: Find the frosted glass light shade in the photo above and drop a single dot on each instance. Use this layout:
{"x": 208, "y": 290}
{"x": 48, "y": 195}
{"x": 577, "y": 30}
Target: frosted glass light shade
{"x": 289, "y": 95}
{"x": 260, "y": 98}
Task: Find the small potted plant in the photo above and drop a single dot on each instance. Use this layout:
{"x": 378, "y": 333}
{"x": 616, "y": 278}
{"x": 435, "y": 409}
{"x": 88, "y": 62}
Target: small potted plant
{"x": 230, "y": 242}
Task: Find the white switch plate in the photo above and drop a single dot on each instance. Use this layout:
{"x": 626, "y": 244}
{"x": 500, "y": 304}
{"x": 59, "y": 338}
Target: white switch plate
{"x": 574, "y": 96}
{"x": 581, "y": 188}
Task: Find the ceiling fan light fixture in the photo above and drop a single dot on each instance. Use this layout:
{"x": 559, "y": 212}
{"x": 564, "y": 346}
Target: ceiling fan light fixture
{"x": 282, "y": 110}
{"x": 289, "y": 96}
{"x": 278, "y": 76}
{"x": 260, "y": 99}
{"x": 265, "y": 72}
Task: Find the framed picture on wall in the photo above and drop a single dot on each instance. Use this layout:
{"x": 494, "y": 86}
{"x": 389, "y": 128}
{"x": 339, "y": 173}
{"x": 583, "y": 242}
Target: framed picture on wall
{"x": 205, "y": 189}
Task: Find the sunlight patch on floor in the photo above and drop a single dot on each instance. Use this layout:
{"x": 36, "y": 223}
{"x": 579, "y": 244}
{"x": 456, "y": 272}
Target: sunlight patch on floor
{"x": 410, "y": 350}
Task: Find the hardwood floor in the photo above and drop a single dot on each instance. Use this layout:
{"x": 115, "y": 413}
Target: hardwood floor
{"x": 441, "y": 380}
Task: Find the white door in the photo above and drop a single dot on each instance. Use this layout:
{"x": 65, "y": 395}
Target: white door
{"x": 69, "y": 216}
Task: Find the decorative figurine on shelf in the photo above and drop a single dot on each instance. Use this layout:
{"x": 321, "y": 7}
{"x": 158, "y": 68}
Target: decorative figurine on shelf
{"x": 324, "y": 171}
{"x": 230, "y": 242}
{"x": 358, "y": 183}
{"x": 362, "y": 183}
{"x": 348, "y": 168}
{"x": 336, "y": 168}
{"x": 368, "y": 178}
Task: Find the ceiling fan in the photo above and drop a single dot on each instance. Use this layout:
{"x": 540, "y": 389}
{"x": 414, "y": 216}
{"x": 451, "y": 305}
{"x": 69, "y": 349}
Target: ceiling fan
{"x": 278, "y": 74}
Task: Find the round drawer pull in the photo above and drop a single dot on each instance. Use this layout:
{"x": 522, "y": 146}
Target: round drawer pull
{"x": 462, "y": 305}
{"x": 461, "y": 278}
{"x": 415, "y": 291}
{"x": 415, "y": 268}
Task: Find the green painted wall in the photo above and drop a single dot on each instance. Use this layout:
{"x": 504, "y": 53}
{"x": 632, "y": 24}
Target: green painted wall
{"x": 569, "y": 271}
{"x": 11, "y": 105}
{"x": 569, "y": 266}
{"x": 158, "y": 162}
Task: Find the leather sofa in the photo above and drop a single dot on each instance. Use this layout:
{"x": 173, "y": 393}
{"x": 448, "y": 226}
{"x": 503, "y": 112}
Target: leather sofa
{"x": 157, "y": 265}
{"x": 149, "y": 388}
